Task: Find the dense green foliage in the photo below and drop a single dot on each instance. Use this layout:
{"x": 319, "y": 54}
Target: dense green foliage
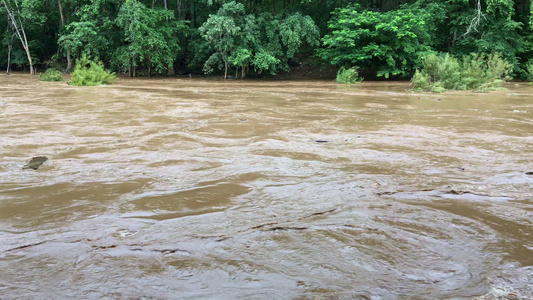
{"x": 150, "y": 37}
{"x": 381, "y": 38}
{"x": 266, "y": 42}
{"x": 389, "y": 43}
{"x": 90, "y": 72}
{"x": 472, "y": 72}
{"x": 51, "y": 75}
{"x": 349, "y": 75}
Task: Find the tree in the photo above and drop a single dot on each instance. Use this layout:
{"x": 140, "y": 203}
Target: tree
{"x": 149, "y": 38}
{"x": 221, "y": 31}
{"x": 93, "y": 30}
{"x": 13, "y": 14}
{"x": 388, "y": 43}
{"x": 9, "y": 41}
{"x": 267, "y": 42}
{"x": 63, "y": 24}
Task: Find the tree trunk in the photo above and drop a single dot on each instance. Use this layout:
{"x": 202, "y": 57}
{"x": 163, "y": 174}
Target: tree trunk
{"x": 9, "y": 47}
{"x": 27, "y": 49}
{"x": 179, "y": 4}
{"x": 226, "y": 68}
{"x": 193, "y": 15}
{"x": 63, "y": 24}
{"x": 243, "y": 72}
{"x": 170, "y": 68}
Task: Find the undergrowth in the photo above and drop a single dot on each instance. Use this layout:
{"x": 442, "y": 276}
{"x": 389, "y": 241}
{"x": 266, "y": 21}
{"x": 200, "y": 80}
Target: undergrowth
{"x": 478, "y": 72}
{"x": 51, "y": 75}
{"x": 90, "y": 72}
{"x": 350, "y": 75}
{"x": 530, "y": 72}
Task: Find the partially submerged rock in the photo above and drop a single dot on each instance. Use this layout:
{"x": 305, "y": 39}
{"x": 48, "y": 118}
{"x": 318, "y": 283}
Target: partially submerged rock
{"x": 35, "y": 162}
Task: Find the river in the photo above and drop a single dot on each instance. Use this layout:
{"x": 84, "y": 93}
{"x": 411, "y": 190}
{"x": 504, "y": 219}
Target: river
{"x": 205, "y": 189}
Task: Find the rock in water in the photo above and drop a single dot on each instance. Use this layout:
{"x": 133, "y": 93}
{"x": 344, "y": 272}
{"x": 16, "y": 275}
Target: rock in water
{"x": 35, "y": 162}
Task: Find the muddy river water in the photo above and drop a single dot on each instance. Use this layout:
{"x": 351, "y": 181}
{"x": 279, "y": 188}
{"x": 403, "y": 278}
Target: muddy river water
{"x": 205, "y": 189}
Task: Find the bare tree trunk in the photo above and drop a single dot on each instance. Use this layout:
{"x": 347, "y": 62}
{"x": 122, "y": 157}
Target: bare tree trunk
{"x": 226, "y": 68}
{"x": 63, "y": 24}
{"x": 9, "y": 47}
{"x": 170, "y": 68}
{"x": 21, "y": 34}
{"x": 193, "y": 15}
{"x": 32, "y": 71}
{"x": 179, "y": 4}
{"x": 243, "y": 72}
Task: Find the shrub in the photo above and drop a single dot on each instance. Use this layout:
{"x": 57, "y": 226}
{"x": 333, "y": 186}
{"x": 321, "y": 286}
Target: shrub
{"x": 477, "y": 72}
{"x": 51, "y": 75}
{"x": 90, "y": 72}
{"x": 348, "y": 75}
{"x": 530, "y": 72}
{"x": 420, "y": 81}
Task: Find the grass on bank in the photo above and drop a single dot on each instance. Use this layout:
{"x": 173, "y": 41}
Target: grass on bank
{"x": 90, "y": 73}
{"x": 51, "y": 75}
{"x": 478, "y": 72}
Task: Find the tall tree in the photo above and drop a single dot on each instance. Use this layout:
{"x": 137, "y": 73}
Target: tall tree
{"x": 63, "y": 24}
{"x": 150, "y": 37}
{"x": 13, "y": 14}
{"x": 222, "y": 30}
{"x": 9, "y": 40}
{"x": 388, "y": 43}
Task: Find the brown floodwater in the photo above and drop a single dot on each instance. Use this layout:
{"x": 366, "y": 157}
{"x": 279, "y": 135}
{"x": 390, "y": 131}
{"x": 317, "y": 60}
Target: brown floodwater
{"x": 205, "y": 189}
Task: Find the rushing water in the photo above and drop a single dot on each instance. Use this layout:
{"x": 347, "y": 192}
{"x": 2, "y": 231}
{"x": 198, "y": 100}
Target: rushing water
{"x": 189, "y": 189}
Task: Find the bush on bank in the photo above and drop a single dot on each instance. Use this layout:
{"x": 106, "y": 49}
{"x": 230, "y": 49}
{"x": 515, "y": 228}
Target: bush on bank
{"x": 90, "y": 72}
{"x": 530, "y": 72}
{"x": 51, "y": 75}
{"x": 478, "y": 72}
{"x": 350, "y": 75}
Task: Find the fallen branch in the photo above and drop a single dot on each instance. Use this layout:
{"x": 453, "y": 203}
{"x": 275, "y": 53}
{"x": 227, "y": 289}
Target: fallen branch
{"x": 25, "y": 246}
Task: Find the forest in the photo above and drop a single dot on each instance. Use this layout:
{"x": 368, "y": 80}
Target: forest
{"x": 381, "y": 38}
